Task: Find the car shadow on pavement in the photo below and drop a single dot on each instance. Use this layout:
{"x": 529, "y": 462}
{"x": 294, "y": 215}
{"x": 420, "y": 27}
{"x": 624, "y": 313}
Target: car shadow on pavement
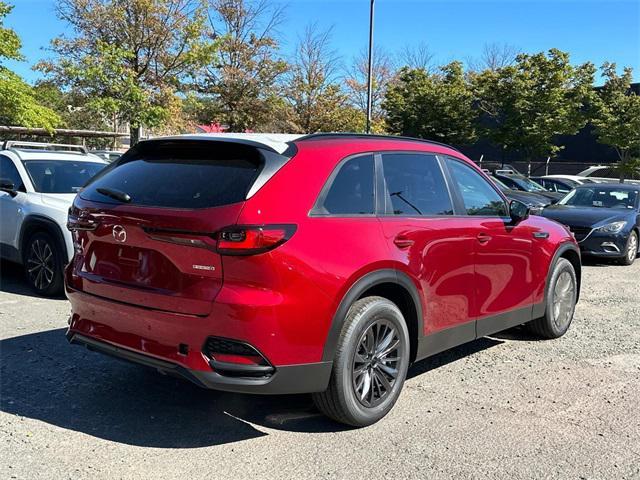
{"x": 43, "y": 377}
{"x": 12, "y": 280}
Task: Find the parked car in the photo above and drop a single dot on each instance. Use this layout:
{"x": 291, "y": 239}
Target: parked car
{"x": 559, "y": 185}
{"x": 572, "y": 178}
{"x": 108, "y": 155}
{"x": 517, "y": 181}
{"x": 608, "y": 173}
{"x": 605, "y": 219}
{"x": 37, "y": 184}
{"x": 534, "y": 201}
{"x": 321, "y": 264}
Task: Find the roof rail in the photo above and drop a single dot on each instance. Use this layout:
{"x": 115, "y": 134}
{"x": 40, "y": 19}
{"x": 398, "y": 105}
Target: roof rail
{"x": 45, "y": 146}
{"x": 314, "y": 136}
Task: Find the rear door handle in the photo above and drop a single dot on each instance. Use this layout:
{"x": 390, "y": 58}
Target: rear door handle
{"x": 483, "y": 238}
{"x": 403, "y": 242}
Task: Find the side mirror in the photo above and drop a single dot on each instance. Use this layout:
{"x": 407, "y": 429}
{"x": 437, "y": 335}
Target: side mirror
{"x": 7, "y": 185}
{"x": 518, "y": 211}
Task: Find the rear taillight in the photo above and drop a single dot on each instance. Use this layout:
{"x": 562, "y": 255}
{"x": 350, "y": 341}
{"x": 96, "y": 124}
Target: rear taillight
{"x": 252, "y": 239}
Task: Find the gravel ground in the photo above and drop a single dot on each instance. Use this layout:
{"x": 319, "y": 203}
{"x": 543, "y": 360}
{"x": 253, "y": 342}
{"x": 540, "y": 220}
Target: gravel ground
{"x": 502, "y": 407}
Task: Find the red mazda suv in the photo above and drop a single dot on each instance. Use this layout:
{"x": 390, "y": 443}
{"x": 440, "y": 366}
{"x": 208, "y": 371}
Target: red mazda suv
{"x": 322, "y": 264}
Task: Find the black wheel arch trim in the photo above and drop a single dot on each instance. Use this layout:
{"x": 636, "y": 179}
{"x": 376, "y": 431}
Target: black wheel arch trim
{"x": 356, "y": 290}
{"x": 49, "y": 226}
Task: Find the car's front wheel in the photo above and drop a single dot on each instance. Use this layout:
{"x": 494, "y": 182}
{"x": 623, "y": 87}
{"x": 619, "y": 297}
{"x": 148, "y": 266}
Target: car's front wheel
{"x": 370, "y": 364}
{"x": 43, "y": 264}
{"x": 631, "y": 252}
{"x": 561, "y": 298}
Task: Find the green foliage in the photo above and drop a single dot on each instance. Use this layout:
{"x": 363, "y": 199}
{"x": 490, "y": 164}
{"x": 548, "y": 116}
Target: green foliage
{"x": 527, "y": 104}
{"x": 19, "y": 106}
{"x": 241, "y": 87}
{"x": 437, "y": 106}
{"x": 18, "y": 103}
{"x": 9, "y": 41}
{"x": 129, "y": 59}
{"x": 617, "y": 116}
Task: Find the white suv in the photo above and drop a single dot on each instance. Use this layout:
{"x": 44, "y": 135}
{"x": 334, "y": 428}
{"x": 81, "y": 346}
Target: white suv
{"x": 38, "y": 182}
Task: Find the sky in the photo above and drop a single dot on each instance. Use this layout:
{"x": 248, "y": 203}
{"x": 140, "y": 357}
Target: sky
{"x": 590, "y": 30}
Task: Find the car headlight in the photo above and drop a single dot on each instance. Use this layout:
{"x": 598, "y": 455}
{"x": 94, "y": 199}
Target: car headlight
{"x": 613, "y": 227}
{"x": 535, "y": 209}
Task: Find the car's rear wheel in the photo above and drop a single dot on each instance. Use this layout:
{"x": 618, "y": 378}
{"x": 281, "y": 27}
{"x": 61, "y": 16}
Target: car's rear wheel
{"x": 562, "y": 294}
{"x": 631, "y": 252}
{"x": 370, "y": 364}
{"x": 43, "y": 264}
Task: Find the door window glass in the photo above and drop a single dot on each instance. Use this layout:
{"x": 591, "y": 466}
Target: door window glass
{"x": 9, "y": 171}
{"x": 478, "y": 196}
{"x": 415, "y": 185}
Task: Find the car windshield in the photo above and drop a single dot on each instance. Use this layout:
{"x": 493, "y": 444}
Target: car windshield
{"x": 600, "y": 198}
{"x": 61, "y": 176}
{"x": 528, "y": 185}
{"x": 501, "y": 185}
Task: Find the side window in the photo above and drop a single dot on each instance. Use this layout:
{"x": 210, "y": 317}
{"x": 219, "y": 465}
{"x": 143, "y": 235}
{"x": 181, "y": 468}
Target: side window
{"x": 9, "y": 171}
{"x": 351, "y": 191}
{"x": 478, "y": 195}
{"x": 561, "y": 188}
{"x": 415, "y": 185}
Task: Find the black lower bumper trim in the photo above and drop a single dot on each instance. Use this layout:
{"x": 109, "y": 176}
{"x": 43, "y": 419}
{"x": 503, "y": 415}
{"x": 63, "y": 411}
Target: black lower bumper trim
{"x": 288, "y": 379}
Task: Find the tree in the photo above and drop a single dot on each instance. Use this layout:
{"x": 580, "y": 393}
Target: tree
{"x": 436, "y": 106}
{"x": 617, "y": 117}
{"x": 9, "y": 41}
{"x": 356, "y": 84}
{"x": 129, "y": 58}
{"x": 316, "y": 102}
{"x": 18, "y": 103}
{"x": 242, "y": 85}
{"x": 495, "y": 56}
{"x": 417, "y": 56}
{"x": 526, "y": 105}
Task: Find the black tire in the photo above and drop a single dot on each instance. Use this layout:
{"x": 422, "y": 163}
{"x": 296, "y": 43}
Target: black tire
{"x": 43, "y": 264}
{"x": 556, "y": 321}
{"x": 371, "y": 318}
{"x": 631, "y": 249}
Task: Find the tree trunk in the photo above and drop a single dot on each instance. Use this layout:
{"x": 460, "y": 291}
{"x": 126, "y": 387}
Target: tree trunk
{"x": 621, "y": 165}
{"x": 134, "y": 135}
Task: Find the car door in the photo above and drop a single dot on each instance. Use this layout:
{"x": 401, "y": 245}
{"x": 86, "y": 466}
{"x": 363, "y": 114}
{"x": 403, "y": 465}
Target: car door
{"x": 10, "y": 205}
{"x": 503, "y": 275}
{"x": 433, "y": 244}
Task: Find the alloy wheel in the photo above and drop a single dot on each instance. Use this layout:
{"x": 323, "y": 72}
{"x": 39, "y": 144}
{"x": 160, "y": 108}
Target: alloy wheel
{"x": 563, "y": 299}
{"x": 40, "y": 264}
{"x": 632, "y": 250}
{"x": 375, "y": 363}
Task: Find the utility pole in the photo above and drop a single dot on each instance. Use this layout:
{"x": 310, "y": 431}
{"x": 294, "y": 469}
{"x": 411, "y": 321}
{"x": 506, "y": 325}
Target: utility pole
{"x": 370, "y": 70}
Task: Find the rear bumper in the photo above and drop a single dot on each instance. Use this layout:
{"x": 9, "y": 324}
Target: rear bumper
{"x": 289, "y": 379}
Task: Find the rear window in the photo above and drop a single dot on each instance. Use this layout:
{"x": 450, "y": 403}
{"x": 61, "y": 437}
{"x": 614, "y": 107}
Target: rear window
{"x": 181, "y": 175}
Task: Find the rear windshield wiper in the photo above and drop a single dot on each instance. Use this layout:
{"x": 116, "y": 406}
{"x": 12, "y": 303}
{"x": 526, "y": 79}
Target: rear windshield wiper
{"x": 115, "y": 194}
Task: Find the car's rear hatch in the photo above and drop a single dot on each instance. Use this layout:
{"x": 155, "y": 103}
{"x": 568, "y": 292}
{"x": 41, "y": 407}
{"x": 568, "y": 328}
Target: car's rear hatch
{"x": 145, "y": 229}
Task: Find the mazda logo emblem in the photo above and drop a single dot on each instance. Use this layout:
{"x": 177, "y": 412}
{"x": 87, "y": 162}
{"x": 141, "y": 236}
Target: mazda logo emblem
{"x": 119, "y": 233}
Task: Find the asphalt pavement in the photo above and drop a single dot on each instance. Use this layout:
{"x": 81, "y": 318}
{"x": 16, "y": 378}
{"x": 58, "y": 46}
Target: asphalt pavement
{"x": 509, "y": 406}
